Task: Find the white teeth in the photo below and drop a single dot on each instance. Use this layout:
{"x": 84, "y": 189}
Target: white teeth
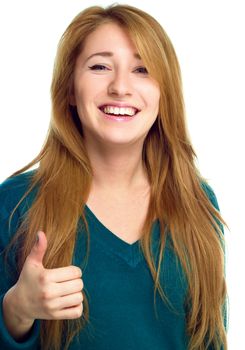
{"x": 116, "y": 110}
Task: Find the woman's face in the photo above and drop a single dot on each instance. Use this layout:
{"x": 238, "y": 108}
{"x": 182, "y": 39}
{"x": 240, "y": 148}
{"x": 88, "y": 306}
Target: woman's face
{"x": 108, "y": 75}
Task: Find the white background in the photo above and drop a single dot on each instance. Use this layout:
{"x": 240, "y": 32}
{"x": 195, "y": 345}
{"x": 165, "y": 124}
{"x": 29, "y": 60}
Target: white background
{"x": 208, "y": 37}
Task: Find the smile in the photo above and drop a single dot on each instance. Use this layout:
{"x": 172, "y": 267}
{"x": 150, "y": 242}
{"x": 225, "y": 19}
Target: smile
{"x": 114, "y": 110}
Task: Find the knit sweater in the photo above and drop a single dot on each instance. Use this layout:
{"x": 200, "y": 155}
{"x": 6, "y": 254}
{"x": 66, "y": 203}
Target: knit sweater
{"x": 117, "y": 282}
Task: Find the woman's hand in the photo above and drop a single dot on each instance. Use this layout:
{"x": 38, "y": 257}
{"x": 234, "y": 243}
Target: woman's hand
{"x": 50, "y": 294}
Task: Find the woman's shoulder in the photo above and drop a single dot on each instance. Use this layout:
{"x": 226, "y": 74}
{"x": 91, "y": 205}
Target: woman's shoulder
{"x": 16, "y": 185}
{"x": 12, "y": 189}
{"x": 210, "y": 193}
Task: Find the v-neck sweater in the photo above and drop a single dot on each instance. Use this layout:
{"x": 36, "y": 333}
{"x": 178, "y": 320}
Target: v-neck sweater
{"x": 117, "y": 282}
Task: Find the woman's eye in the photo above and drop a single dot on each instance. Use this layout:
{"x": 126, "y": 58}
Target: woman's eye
{"x": 101, "y": 67}
{"x": 98, "y": 67}
{"x": 143, "y": 70}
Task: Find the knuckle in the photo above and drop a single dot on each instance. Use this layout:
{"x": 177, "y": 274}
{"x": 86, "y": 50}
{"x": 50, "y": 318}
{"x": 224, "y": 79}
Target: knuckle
{"x": 48, "y": 309}
{"x": 80, "y": 297}
{"x": 45, "y": 295}
{"x": 78, "y": 312}
{"x": 77, "y": 271}
{"x": 46, "y": 304}
{"x": 81, "y": 284}
{"x": 43, "y": 278}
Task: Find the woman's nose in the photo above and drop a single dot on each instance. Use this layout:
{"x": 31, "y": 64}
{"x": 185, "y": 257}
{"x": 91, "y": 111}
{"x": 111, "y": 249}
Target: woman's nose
{"x": 120, "y": 84}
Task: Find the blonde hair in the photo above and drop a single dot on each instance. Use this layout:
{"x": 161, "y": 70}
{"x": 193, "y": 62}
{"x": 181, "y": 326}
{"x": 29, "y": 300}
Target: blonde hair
{"x": 177, "y": 199}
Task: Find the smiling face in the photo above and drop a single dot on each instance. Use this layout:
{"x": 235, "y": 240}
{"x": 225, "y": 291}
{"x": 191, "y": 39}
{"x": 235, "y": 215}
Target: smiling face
{"x": 109, "y": 72}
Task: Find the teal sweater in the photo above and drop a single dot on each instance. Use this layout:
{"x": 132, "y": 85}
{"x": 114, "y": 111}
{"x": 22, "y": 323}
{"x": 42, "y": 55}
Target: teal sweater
{"x": 116, "y": 280}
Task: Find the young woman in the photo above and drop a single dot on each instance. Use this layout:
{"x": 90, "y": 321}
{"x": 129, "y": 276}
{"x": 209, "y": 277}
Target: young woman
{"x": 115, "y": 240}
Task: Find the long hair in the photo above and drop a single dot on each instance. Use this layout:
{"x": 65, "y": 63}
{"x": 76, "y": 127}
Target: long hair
{"x": 177, "y": 197}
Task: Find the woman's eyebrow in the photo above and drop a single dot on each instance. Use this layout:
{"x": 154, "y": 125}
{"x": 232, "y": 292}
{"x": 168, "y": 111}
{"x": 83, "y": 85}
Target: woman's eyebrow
{"x": 109, "y": 54}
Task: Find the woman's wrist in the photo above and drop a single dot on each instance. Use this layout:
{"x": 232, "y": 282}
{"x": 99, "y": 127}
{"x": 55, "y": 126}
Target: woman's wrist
{"x": 16, "y": 323}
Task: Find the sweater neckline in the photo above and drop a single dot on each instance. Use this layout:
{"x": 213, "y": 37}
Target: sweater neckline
{"x": 131, "y": 253}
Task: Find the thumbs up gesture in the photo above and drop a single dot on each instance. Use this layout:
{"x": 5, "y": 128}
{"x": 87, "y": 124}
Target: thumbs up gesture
{"x": 50, "y": 294}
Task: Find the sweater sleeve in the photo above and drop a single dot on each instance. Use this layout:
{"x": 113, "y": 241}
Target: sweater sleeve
{"x": 10, "y": 193}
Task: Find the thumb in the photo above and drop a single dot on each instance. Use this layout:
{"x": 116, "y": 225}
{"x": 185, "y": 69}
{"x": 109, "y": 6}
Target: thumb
{"x": 38, "y": 250}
